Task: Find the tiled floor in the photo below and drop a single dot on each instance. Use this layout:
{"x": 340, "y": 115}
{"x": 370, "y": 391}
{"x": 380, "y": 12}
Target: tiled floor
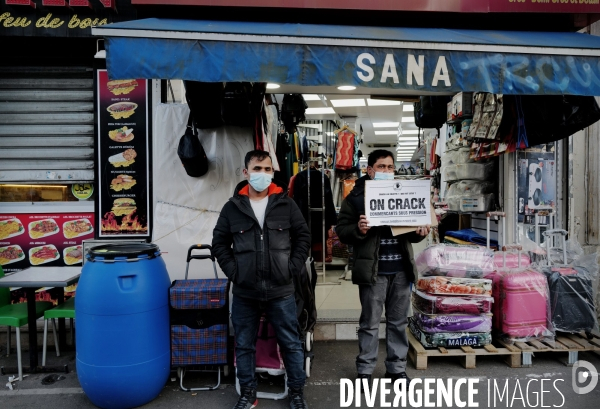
{"x": 340, "y": 302}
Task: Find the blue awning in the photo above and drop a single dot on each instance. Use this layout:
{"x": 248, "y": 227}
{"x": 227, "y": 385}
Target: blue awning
{"x": 415, "y": 60}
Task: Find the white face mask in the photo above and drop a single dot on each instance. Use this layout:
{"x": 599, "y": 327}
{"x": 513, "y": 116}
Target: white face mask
{"x": 383, "y": 176}
{"x": 260, "y": 180}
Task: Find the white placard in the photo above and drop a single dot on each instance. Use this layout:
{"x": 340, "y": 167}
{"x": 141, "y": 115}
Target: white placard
{"x": 398, "y": 202}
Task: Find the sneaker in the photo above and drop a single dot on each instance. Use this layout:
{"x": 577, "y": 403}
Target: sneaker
{"x": 396, "y": 376}
{"x": 297, "y": 400}
{"x": 362, "y": 376}
{"x": 247, "y": 399}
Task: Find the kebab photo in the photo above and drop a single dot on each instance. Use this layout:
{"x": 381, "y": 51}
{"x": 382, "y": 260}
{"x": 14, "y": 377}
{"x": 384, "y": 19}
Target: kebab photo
{"x": 43, "y": 254}
{"x": 118, "y": 87}
{"x": 122, "y": 182}
{"x": 73, "y": 255}
{"x": 11, "y": 254}
{"x": 123, "y": 159}
{"x": 42, "y": 228}
{"x": 76, "y": 228}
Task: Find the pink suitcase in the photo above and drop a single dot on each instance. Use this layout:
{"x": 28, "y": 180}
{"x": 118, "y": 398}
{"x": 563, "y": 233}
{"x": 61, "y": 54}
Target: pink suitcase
{"x": 505, "y": 259}
{"x": 524, "y": 297}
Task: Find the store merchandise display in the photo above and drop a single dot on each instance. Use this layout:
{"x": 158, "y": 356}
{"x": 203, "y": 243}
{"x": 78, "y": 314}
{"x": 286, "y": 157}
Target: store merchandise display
{"x": 450, "y": 308}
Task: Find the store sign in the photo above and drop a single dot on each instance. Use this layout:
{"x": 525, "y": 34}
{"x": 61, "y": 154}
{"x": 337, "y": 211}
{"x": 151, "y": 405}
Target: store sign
{"x": 82, "y": 191}
{"x": 462, "y": 6}
{"x": 398, "y": 202}
{"x": 49, "y": 239}
{"x": 123, "y": 157}
{"x": 322, "y": 65}
{"x": 61, "y": 18}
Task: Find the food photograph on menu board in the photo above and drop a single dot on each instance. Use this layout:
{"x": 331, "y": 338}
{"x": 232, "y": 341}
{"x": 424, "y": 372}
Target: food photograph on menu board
{"x": 53, "y": 239}
{"x": 123, "y": 157}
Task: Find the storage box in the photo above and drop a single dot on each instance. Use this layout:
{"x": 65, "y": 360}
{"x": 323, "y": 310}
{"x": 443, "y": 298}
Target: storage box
{"x": 462, "y": 105}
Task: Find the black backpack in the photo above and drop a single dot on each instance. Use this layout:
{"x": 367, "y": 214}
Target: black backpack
{"x": 204, "y": 100}
{"x": 192, "y": 154}
{"x": 292, "y": 111}
{"x": 237, "y": 104}
{"x": 431, "y": 111}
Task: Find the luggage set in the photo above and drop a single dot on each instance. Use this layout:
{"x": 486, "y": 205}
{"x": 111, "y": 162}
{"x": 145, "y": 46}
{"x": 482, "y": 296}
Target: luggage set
{"x": 199, "y": 315}
{"x": 453, "y": 300}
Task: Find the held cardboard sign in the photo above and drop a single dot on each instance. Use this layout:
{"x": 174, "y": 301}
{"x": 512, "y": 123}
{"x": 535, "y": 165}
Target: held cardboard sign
{"x": 398, "y": 202}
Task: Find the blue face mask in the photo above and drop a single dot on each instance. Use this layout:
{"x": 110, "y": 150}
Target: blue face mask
{"x": 383, "y": 176}
{"x": 260, "y": 180}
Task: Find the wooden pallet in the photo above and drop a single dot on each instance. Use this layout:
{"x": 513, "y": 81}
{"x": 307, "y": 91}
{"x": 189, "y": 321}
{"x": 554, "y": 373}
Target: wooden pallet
{"x": 419, "y": 354}
{"x": 572, "y": 344}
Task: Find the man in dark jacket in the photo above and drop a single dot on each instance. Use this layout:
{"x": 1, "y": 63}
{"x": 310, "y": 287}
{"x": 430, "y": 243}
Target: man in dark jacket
{"x": 383, "y": 268}
{"x": 270, "y": 242}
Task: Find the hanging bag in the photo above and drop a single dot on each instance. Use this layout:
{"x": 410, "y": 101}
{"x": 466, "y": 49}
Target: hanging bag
{"x": 191, "y": 153}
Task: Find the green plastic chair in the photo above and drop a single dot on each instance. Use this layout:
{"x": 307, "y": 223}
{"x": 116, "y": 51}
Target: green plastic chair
{"x": 15, "y": 315}
{"x": 64, "y": 310}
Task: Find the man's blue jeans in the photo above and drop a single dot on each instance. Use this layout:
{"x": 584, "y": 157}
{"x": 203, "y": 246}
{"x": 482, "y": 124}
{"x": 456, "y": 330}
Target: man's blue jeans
{"x": 281, "y": 313}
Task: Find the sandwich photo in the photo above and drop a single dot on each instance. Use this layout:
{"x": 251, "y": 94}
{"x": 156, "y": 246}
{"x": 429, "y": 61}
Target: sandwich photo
{"x": 118, "y": 87}
{"x": 123, "y": 134}
{"x": 123, "y": 159}
{"x": 10, "y": 228}
{"x": 123, "y": 206}
{"x": 42, "y": 228}
{"x": 122, "y": 182}
{"x": 73, "y": 255}
{"x": 43, "y": 254}
{"x": 122, "y": 109}
{"x": 76, "y": 228}
{"x": 11, "y": 254}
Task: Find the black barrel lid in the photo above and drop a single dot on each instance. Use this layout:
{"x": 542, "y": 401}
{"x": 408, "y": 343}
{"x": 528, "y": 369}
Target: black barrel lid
{"x": 123, "y": 251}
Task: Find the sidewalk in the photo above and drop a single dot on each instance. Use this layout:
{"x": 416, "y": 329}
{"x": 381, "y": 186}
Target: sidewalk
{"x": 334, "y": 360}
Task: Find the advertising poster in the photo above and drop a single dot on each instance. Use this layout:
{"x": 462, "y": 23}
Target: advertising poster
{"x": 52, "y": 239}
{"x": 536, "y": 188}
{"x": 123, "y": 157}
{"x": 398, "y": 202}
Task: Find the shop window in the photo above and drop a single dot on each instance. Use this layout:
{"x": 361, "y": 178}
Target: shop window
{"x": 37, "y": 193}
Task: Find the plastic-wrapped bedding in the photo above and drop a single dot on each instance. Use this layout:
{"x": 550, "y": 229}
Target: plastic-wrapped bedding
{"x": 455, "y": 261}
{"x": 440, "y": 304}
{"x": 434, "y": 323}
{"x": 448, "y": 339}
{"x": 455, "y": 286}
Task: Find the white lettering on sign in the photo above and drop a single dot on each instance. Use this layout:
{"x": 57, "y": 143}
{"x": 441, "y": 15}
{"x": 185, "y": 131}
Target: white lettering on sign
{"x": 414, "y": 69}
{"x": 370, "y": 74}
{"x": 389, "y": 69}
{"x": 441, "y": 72}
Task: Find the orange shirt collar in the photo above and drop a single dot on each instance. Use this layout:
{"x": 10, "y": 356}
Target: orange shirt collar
{"x": 272, "y": 190}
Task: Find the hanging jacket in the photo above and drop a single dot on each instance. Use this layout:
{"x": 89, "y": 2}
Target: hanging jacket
{"x": 261, "y": 261}
{"x": 366, "y": 247}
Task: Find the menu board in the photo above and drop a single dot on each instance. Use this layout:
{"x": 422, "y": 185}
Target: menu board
{"x": 51, "y": 239}
{"x": 123, "y": 157}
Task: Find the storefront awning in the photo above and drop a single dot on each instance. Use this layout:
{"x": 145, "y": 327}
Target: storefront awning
{"x": 414, "y": 59}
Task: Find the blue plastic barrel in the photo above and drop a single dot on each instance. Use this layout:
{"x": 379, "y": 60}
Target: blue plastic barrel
{"x": 122, "y": 316}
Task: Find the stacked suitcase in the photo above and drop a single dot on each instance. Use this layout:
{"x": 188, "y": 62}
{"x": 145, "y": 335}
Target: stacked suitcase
{"x": 520, "y": 295}
{"x": 199, "y": 322}
{"x": 572, "y": 307}
{"x": 451, "y": 308}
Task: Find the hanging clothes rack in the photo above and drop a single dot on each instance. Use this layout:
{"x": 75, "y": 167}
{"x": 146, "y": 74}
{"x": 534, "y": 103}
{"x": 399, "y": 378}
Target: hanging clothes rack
{"x": 320, "y": 160}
